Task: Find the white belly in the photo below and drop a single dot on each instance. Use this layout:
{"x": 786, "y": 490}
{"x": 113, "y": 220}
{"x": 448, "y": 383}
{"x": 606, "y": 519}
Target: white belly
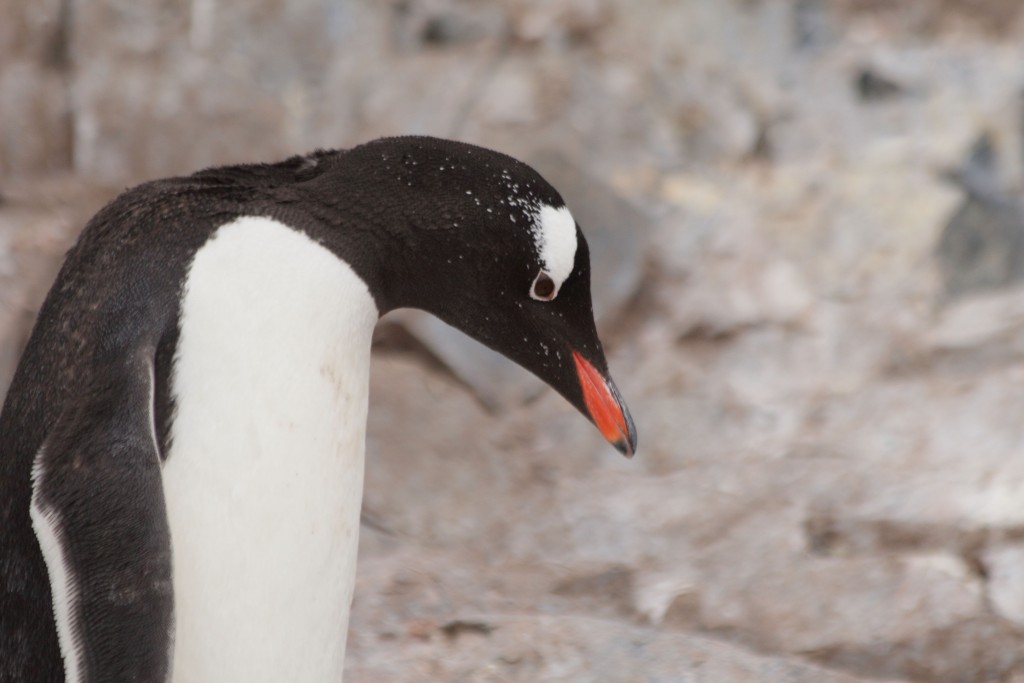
{"x": 265, "y": 474}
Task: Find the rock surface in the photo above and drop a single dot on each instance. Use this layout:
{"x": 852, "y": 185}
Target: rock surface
{"x": 810, "y": 282}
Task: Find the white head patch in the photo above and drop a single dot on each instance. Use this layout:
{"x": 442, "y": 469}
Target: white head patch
{"x": 554, "y": 233}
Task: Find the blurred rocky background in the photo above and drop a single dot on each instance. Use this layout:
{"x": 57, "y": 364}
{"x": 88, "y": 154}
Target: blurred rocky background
{"x": 807, "y": 224}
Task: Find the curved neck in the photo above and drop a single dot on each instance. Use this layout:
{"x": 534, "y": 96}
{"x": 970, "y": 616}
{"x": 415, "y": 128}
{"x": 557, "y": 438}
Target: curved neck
{"x": 264, "y": 476}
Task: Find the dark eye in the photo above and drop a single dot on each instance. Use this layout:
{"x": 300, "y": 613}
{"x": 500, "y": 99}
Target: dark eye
{"x": 543, "y": 287}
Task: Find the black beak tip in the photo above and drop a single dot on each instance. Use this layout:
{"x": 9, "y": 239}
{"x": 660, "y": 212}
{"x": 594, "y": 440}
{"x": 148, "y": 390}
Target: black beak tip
{"x": 626, "y": 443}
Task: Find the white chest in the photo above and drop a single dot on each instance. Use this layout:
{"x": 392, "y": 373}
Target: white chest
{"x": 265, "y": 474}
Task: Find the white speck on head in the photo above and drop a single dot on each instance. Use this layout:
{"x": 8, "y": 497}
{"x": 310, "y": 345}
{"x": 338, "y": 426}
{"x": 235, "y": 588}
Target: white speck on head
{"x": 554, "y": 233}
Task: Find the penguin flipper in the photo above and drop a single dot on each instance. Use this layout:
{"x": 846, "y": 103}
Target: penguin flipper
{"x": 98, "y": 511}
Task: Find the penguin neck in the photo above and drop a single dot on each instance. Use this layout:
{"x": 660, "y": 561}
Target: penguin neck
{"x": 264, "y": 475}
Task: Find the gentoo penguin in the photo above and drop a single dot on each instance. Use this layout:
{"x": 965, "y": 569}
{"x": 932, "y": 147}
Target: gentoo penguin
{"x": 181, "y": 449}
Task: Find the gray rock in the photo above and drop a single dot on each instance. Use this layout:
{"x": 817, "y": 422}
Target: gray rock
{"x": 444, "y": 24}
{"x": 492, "y": 648}
{"x": 982, "y": 245}
{"x": 193, "y": 72}
{"x": 872, "y": 86}
{"x": 1005, "y": 566}
{"x": 979, "y": 320}
{"x": 35, "y": 110}
{"x": 34, "y": 88}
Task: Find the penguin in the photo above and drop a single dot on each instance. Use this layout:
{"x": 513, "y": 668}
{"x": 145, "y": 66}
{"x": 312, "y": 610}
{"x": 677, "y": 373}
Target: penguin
{"x": 182, "y": 444}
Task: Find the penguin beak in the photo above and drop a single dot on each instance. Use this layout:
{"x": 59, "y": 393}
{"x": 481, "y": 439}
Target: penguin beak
{"x": 606, "y": 407}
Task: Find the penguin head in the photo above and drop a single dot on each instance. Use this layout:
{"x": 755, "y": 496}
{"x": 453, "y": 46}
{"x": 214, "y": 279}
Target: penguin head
{"x": 484, "y": 243}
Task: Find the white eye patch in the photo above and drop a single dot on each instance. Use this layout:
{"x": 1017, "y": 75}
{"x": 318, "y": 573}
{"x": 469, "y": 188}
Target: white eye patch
{"x": 554, "y": 233}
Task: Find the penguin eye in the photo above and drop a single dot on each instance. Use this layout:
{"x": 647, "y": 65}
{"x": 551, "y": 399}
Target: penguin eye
{"x": 543, "y": 287}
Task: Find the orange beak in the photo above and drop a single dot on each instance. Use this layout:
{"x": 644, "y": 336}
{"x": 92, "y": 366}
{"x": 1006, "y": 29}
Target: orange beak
{"x": 606, "y": 407}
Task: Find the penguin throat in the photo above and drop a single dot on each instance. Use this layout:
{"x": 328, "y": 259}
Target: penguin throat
{"x": 264, "y": 478}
